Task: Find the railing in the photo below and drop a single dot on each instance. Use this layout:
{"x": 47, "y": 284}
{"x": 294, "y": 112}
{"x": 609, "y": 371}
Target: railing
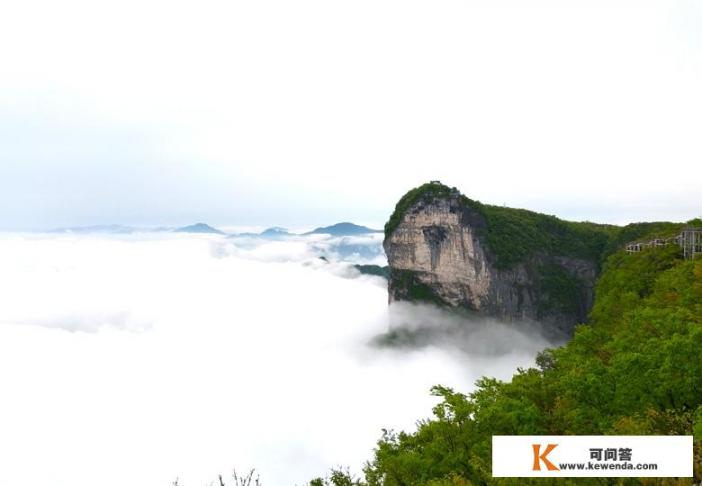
{"x": 689, "y": 240}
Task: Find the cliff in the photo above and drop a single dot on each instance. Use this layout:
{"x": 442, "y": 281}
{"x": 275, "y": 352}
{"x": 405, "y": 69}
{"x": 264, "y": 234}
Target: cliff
{"x": 509, "y": 263}
{"x": 634, "y": 369}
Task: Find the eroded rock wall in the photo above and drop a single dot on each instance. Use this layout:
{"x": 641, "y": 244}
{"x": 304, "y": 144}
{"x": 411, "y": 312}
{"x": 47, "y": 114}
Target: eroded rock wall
{"x": 438, "y": 252}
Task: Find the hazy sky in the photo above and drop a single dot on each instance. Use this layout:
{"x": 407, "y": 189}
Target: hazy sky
{"x": 309, "y": 112}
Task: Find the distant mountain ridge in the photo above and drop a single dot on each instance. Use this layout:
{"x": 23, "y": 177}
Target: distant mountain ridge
{"x": 343, "y": 229}
{"x": 338, "y": 229}
{"x": 274, "y": 232}
{"x": 199, "y": 228}
{"x": 101, "y": 228}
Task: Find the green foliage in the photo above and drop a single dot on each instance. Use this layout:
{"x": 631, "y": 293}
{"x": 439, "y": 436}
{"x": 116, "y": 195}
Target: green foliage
{"x": 337, "y": 477}
{"x": 376, "y": 270}
{"x": 627, "y": 278}
{"x": 408, "y": 284}
{"x": 559, "y": 290}
{"x": 426, "y": 192}
{"x": 636, "y": 370}
{"x": 513, "y": 235}
{"x": 642, "y": 232}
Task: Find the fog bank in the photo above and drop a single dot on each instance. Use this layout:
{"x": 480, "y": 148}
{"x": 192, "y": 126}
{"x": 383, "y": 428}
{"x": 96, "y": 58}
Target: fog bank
{"x": 141, "y": 358}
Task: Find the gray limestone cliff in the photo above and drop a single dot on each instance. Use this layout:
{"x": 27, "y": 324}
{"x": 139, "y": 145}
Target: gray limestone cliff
{"x": 438, "y": 249}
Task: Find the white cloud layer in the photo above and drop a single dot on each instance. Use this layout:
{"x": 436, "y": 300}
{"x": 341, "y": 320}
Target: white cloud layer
{"x": 137, "y": 359}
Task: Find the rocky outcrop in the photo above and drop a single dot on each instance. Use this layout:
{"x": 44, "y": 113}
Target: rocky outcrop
{"x": 437, "y": 251}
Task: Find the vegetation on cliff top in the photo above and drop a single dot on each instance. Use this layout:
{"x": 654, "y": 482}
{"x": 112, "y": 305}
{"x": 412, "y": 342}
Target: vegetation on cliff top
{"x": 376, "y": 270}
{"x": 425, "y": 192}
{"x": 512, "y": 235}
{"x": 636, "y": 370}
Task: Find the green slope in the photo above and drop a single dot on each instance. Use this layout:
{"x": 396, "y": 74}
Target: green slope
{"x": 512, "y": 235}
{"x": 636, "y": 369}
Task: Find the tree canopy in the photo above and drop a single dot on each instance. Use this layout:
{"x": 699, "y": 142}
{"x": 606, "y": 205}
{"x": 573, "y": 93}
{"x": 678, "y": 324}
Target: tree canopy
{"x": 635, "y": 369}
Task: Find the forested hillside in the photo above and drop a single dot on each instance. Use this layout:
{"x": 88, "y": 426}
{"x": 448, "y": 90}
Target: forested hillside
{"x": 636, "y": 368}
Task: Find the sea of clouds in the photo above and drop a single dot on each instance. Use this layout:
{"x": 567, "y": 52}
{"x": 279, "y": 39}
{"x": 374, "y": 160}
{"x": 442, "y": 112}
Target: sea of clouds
{"x": 138, "y": 359}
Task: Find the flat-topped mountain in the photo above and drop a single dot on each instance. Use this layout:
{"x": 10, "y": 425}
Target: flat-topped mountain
{"x": 343, "y": 229}
{"x": 510, "y": 263}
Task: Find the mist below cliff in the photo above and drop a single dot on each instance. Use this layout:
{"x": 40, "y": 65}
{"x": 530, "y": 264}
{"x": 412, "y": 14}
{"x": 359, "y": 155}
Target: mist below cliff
{"x": 136, "y": 359}
{"x": 416, "y": 326}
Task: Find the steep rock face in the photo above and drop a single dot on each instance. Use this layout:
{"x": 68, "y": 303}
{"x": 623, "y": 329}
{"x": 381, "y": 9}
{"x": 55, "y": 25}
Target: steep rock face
{"x": 438, "y": 252}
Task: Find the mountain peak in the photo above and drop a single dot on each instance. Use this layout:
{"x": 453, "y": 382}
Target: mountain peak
{"x": 275, "y": 231}
{"x": 199, "y": 228}
{"x": 343, "y": 229}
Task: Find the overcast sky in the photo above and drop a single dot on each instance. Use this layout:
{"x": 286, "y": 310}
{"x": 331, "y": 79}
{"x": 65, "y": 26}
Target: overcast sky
{"x": 277, "y": 112}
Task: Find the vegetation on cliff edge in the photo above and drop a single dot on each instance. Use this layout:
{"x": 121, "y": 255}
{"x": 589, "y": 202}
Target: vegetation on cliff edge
{"x": 513, "y": 235}
{"x": 637, "y": 369}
